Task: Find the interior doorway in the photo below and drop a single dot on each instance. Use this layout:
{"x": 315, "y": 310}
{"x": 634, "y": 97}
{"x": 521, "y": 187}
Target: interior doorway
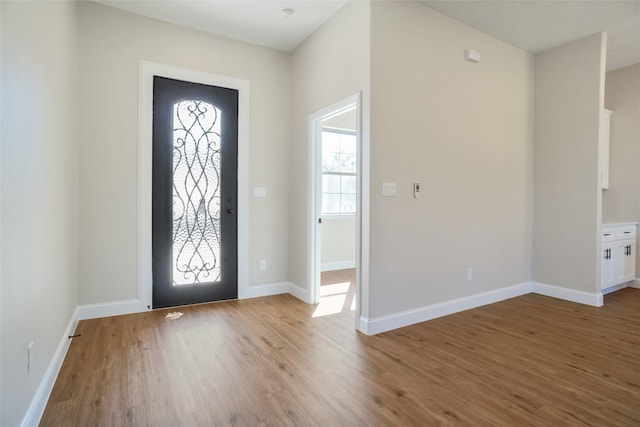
{"x": 335, "y": 137}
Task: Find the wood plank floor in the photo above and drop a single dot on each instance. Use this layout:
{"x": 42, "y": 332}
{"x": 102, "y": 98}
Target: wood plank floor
{"x": 528, "y": 361}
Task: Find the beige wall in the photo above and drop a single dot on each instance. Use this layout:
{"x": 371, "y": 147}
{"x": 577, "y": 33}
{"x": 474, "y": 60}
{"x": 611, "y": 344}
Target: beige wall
{"x": 621, "y": 202}
{"x": 329, "y": 66}
{"x": 39, "y": 192}
{"x": 338, "y": 239}
{"x": 569, "y": 83}
{"x": 112, "y": 44}
{"x": 464, "y": 131}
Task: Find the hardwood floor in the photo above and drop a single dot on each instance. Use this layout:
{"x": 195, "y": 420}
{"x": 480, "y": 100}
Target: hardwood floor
{"x": 528, "y": 361}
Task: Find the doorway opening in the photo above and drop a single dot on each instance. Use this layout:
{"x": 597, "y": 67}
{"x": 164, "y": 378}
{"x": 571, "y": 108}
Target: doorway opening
{"x": 148, "y": 71}
{"x": 335, "y": 139}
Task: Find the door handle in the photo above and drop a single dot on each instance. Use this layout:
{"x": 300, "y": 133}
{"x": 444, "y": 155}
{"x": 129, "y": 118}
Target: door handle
{"x": 230, "y": 211}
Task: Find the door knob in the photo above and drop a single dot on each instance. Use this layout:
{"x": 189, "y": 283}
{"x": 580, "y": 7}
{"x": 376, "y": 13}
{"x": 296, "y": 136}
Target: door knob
{"x": 230, "y": 211}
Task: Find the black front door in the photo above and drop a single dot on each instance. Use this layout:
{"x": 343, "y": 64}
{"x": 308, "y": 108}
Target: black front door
{"x": 195, "y": 163}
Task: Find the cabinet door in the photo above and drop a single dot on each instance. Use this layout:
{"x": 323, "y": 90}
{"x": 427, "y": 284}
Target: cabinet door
{"x": 607, "y": 271}
{"x": 618, "y": 262}
{"x": 629, "y": 252}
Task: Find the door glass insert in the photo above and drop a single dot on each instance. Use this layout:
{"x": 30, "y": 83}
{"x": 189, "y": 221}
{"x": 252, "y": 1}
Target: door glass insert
{"x": 196, "y": 192}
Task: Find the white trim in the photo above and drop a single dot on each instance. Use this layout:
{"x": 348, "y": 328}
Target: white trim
{"x": 594, "y": 299}
{"x": 338, "y": 265}
{"x": 634, "y": 283}
{"x": 409, "y": 317}
{"x": 265, "y": 290}
{"x": 40, "y": 399}
{"x": 107, "y": 309}
{"x": 615, "y": 288}
{"x": 118, "y": 308}
{"x": 300, "y": 293}
{"x": 145, "y": 123}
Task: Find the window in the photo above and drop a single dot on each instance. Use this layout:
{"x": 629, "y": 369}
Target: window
{"x": 338, "y": 172}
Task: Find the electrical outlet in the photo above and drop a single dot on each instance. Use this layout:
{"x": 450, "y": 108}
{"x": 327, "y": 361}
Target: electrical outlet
{"x": 30, "y": 357}
{"x": 263, "y": 265}
{"x": 469, "y": 274}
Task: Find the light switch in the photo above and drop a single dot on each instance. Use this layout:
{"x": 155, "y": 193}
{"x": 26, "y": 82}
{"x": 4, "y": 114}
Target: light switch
{"x": 259, "y": 192}
{"x": 388, "y": 189}
{"x": 416, "y": 189}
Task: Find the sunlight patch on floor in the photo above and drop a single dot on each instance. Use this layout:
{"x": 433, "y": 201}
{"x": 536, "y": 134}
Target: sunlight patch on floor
{"x": 330, "y": 305}
{"x": 333, "y": 299}
{"x": 336, "y": 288}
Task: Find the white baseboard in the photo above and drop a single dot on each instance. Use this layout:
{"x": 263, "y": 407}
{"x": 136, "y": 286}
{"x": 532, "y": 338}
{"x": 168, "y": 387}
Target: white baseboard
{"x": 264, "y": 290}
{"x": 593, "y": 299}
{"x": 362, "y": 326}
{"x": 116, "y": 308}
{"x": 616, "y": 288}
{"x": 632, "y": 284}
{"x": 409, "y": 317}
{"x": 339, "y": 265}
{"x": 300, "y": 293}
{"x": 39, "y": 402}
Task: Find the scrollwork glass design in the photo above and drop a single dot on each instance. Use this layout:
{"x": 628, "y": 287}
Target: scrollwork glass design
{"x": 196, "y": 192}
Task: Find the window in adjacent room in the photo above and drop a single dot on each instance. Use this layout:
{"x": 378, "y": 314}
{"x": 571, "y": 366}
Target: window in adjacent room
{"x": 338, "y": 172}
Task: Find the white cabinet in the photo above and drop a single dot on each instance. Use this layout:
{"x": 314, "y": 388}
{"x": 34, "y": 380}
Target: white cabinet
{"x": 618, "y": 257}
{"x": 603, "y": 145}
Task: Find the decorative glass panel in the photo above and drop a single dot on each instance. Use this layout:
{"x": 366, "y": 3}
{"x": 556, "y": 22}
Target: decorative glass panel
{"x": 196, "y": 193}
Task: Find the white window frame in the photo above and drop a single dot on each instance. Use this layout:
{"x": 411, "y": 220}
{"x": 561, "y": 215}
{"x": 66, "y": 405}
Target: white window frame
{"x": 338, "y": 215}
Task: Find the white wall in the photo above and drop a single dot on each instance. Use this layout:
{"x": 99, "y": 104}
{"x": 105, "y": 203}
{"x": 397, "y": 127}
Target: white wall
{"x": 112, "y": 43}
{"x": 569, "y": 82}
{"x": 329, "y": 66}
{"x": 40, "y": 113}
{"x": 621, "y": 202}
{"x": 464, "y": 131}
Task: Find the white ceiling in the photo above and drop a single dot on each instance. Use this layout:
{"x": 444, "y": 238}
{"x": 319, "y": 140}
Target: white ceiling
{"x": 252, "y": 21}
{"x": 538, "y": 25}
{"x": 533, "y": 25}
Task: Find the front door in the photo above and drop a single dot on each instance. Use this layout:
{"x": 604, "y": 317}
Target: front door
{"x": 194, "y": 196}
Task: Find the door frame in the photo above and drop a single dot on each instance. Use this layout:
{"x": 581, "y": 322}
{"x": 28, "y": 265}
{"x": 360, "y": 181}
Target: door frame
{"x": 315, "y": 196}
{"x": 147, "y": 70}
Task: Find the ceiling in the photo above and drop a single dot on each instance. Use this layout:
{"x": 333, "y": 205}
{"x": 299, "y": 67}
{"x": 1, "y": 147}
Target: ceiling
{"x": 253, "y": 21}
{"x": 537, "y": 26}
{"x": 533, "y": 25}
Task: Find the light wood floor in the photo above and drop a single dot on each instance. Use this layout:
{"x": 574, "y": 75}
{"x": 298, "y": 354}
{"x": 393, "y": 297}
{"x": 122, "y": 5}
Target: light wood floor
{"x": 528, "y": 361}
